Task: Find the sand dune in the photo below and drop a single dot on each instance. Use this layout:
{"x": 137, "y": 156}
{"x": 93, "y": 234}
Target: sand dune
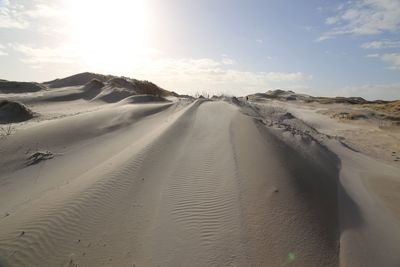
{"x": 367, "y": 154}
{"x": 11, "y": 111}
{"x": 77, "y": 79}
{"x": 9, "y": 87}
{"x": 185, "y": 187}
{"x": 143, "y": 181}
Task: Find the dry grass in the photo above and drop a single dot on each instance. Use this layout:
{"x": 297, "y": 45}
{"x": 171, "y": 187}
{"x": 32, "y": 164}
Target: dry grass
{"x": 6, "y": 131}
{"x": 386, "y": 114}
{"x": 391, "y": 108}
{"x": 349, "y": 116}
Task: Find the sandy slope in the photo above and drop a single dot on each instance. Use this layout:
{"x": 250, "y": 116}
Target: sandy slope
{"x": 163, "y": 185}
{"x": 368, "y": 184}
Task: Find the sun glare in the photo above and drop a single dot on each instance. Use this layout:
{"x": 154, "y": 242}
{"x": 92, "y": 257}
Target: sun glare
{"x": 111, "y": 35}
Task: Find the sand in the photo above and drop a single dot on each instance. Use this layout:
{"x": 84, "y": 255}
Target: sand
{"x": 151, "y": 181}
{"x": 368, "y": 178}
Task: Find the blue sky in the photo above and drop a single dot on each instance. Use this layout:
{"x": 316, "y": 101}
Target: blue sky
{"x": 221, "y": 46}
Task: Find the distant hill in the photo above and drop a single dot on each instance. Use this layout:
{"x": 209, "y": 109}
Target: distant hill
{"x": 11, "y": 87}
{"x": 118, "y": 88}
{"x": 77, "y": 79}
{"x": 292, "y": 96}
{"x": 113, "y": 88}
{"x": 108, "y": 88}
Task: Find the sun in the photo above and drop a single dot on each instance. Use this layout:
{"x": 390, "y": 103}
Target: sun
{"x": 112, "y": 35}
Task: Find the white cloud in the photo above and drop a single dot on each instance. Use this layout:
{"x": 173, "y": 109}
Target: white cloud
{"x": 4, "y": 3}
{"x": 364, "y": 17}
{"x": 187, "y": 74}
{"x": 381, "y": 44}
{"x": 308, "y": 28}
{"x": 393, "y": 59}
{"x": 324, "y": 37}
{"x": 14, "y": 15}
{"x": 11, "y": 16}
{"x": 215, "y": 70}
{"x": 37, "y": 56}
{"x": 2, "y": 52}
{"x": 372, "y": 56}
{"x": 373, "y": 91}
{"x": 45, "y": 11}
{"x": 259, "y": 41}
{"x": 331, "y": 20}
{"x": 226, "y": 60}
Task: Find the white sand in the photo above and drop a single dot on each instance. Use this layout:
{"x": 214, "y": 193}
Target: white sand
{"x": 368, "y": 184}
{"x": 185, "y": 184}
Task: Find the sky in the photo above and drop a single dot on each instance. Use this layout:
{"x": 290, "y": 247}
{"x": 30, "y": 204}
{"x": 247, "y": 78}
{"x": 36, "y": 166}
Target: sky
{"x": 237, "y": 47}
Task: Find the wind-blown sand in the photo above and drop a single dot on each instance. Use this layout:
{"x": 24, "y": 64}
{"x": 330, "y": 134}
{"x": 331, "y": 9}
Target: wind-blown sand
{"x": 146, "y": 181}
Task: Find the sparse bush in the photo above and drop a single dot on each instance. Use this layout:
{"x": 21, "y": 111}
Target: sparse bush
{"x": 202, "y": 94}
{"x": 6, "y": 131}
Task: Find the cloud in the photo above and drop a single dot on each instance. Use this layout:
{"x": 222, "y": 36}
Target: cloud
{"x": 187, "y": 74}
{"x": 331, "y": 20}
{"x": 259, "y": 41}
{"x": 390, "y": 91}
{"x": 2, "y": 52}
{"x": 381, "y": 44}
{"x": 372, "y": 56}
{"x": 324, "y": 38}
{"x": 45, "y": 11}
{"x": 184, "y": 73}
{"x": 11, "y": 16}
{"x": 226, "y": 60}
{"x": 308, "y": 28}
{"x": 4, "y": 3}
{"x": 37, "y": 56}
{"x": 14, "y": 15}
{"x": 210, "y": 69}
{"x": 393, "y": 59}
{"x": 364, "y": 17}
